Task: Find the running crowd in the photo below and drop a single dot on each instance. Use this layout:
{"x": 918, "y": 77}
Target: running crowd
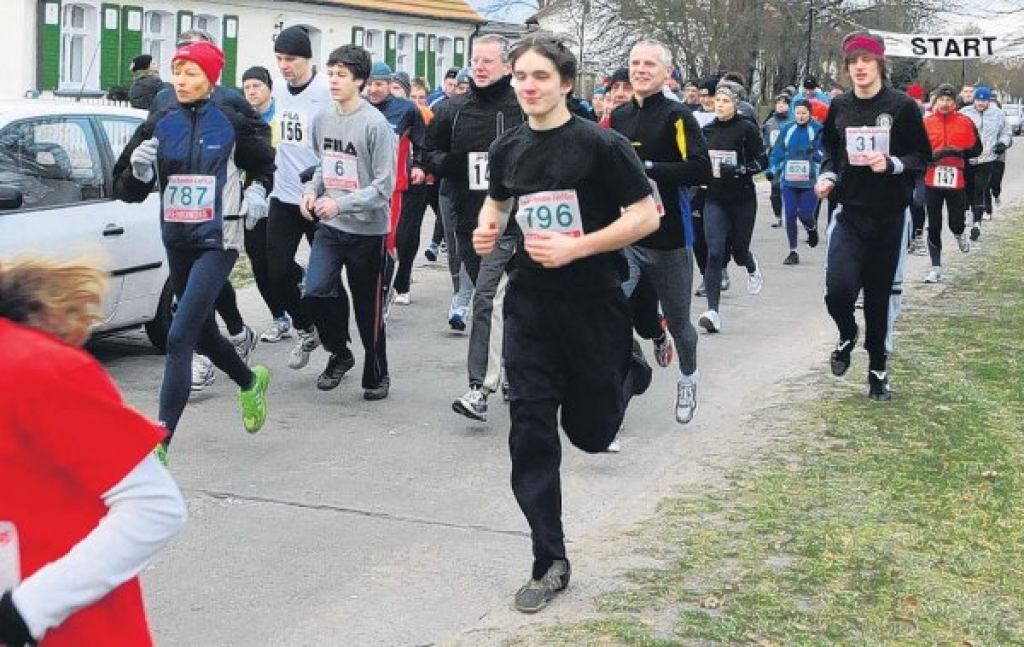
{"x": 570, "y": 230}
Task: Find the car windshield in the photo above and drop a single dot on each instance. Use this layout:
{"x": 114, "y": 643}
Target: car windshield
{"x": 1012, "y": 111}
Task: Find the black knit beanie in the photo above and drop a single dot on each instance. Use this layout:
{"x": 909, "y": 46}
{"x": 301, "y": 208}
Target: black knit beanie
{"x": 258, "y": 73}
{"x": 293, "y": 41}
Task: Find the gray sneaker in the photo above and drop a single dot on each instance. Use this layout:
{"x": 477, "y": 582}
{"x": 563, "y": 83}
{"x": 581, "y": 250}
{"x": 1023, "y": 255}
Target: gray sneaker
{"x": 280, "y": 329}
{"x": 303, "y": 348}
{"x": 686, "y": 401}
{"x": 245, "y": 342}
{"x": 964, "y": 241}
{"x": 203, "y": 372}
{"x": 536, "y": 594}
{"x": 473, "y": 405}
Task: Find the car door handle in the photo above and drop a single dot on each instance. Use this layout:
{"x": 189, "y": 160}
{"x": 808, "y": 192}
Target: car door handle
{"x": 113, "y": 230}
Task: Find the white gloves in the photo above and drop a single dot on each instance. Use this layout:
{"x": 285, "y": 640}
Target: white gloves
{"x": 256, "y": 205}
{"x": 143, "y": 160}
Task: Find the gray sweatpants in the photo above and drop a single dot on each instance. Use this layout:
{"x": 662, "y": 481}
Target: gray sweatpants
{"x": 462, "y": 285}
{"x": 486, "y": 336}
{"x": 670, "y": 271}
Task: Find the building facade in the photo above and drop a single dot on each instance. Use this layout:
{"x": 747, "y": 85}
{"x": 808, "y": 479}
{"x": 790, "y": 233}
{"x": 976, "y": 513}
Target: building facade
{"x": 72, "y": 47}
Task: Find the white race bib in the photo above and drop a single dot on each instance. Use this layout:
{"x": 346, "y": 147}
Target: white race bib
{"x": 550, "y": 211}
{"x": 864, "y": 141}
{"x": 773, "y": 137}
{"x": 10, "y": 557}
{"x": 658, "y": 204}
{"x": 798, "y": 171}
{"x": 293, "y": 128}
{"x": 479, "y": 172}
{"x": 340, "y": 171}
{"x": 721, "y": 157}
{"x": 190, "y": 198}
{"x": 946, "y": 177}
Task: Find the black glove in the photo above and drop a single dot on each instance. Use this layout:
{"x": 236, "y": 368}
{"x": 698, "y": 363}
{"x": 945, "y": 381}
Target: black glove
{"x": 725, "y": 169}
{"x": 999, "y": 148}
{"x": 308, "y": 174}
{"x": 13, "y": 632}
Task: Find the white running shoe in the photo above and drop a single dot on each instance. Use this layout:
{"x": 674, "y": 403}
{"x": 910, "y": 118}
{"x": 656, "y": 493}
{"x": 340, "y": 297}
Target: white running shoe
{"x": 245, "y": 342}
{"x": 303, "y": 348}
{"x": 473, "y": 405}
{"x": 934, "y": 275}
{"x": 402, "y": 299}
{"x": 964, "y": 241}
{"x": 686, "y": 401}
{"x": 755, "y": 280}
{"x": 203, "y": 372}
{"x": 710, "y": 321}
{"x": 280, "y": 329}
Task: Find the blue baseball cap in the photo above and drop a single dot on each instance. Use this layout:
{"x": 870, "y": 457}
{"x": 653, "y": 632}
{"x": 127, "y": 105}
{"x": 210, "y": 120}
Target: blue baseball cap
{"x": 982, "y": 93}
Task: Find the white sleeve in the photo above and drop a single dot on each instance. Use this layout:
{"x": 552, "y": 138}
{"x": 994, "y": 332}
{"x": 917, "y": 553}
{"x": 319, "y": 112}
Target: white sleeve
{"x": 146, "y": 510}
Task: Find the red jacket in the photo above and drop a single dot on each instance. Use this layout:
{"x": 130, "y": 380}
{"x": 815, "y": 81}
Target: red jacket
{"x": 954, "y": 139}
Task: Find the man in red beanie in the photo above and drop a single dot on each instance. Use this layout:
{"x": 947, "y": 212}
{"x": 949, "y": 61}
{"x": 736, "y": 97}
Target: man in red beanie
{"x": 875, "y": 143}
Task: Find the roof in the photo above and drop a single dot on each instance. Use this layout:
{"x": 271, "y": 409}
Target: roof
{"x": 441, "y": 9}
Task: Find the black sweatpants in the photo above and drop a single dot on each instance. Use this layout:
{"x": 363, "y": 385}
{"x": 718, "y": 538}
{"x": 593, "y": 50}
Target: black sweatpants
{"x": 864, "y": 249}
{"x": 700, "y": 243}
{"x": 567, "y": 355}
{"x": 466, "y": 206}
{"x": 407, "y": 238}
{"x": 955, "y": 201}
{"x": 979, "y": 179}
{"x": 227, "y": 307}
{"x": 259, "y": 259}
{"x": 362, "y": 258}
{"x": 995, "y": 187}
{"x": 728, "y": 228}
{"x": 918, "y": 205}
{"x": 285, "y": 229}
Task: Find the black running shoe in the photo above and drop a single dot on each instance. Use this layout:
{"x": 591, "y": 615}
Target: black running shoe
{"x": 336, "y": 368}
{"x": 878, "y": 386}
{"x": 812, "y": 237}
{"x": 840, "y": 359}
{"x": 380, "y": 391}
{"x": 792, "y": 259}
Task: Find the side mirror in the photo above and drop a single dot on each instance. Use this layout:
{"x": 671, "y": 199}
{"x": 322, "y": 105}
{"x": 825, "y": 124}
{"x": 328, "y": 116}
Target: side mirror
{"x": 10, "y": 198}
{"x": 46, "y": 158}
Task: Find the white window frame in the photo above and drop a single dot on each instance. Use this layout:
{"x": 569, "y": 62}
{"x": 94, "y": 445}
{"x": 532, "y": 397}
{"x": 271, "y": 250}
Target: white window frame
{"x": 405, "y": 53}
{"x": 443, "y": 57}
{"x": 213, "y": 26}
{"x": 86, "y": 38}
{"x": 373, "y": 41}
{"x": 163, "y": 39}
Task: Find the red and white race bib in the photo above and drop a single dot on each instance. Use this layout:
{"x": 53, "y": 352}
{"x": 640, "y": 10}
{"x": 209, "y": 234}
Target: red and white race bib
{"x": 550, "y": 211}
{"x": 10, "y": 557}
{"x": 190, "y": 198}
{"x": 340, "y": 171}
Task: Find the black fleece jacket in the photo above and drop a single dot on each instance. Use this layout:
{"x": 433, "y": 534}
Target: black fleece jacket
{"x": 741, "y": 135}
{"x": 665, "y": 134}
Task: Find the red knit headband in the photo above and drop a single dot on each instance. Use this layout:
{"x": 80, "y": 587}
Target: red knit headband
{"x": 865, "y": 43}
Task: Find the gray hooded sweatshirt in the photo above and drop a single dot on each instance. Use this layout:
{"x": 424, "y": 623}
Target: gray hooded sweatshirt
{"x": 358, "y": 155}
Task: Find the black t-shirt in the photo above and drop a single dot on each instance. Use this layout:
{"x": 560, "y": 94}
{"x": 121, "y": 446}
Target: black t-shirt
{"x": 598, "y": 164}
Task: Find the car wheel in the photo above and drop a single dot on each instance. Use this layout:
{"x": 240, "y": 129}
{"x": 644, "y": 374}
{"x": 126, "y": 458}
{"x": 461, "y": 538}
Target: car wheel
{"x": 158, "y": 328}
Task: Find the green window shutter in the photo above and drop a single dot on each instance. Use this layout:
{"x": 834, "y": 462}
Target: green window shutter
{"x": 431, "y": 60}
{"x": 229, "y": 77}
{"x": 421, "y": 56}
{"x": 459, "y": 58}
{"x": 391, "y": 48}
{"x": 48, "y": 44}
{"x": 110, "y": 45}
{"x": 357, "y": 36}
{"x": 184, "y": 21}
{"x": 131, "y": 40}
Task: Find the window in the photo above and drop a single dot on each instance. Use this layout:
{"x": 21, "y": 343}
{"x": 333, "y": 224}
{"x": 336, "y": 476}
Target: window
{"x": 374, "y": 43}
{"x": 158, "y": 39}
{"x": 406, "y": 54}
{"x": 52, "y": 162}
{"x": 119, "y": 132}
{"x": 209, "y": 24}
{"x": 443, "y": 58}
{"x": 79, "y": 29}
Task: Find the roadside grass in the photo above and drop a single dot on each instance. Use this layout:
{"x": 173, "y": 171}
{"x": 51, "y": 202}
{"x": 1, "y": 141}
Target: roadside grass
{"x": 872, "y": 524}
{"x": 241, "y": 273}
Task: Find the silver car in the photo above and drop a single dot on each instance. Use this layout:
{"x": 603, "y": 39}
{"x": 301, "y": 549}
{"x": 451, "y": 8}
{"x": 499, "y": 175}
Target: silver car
{"x": 56, "y": 160}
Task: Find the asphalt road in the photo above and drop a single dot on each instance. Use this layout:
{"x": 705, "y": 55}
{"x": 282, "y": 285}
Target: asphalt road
{"x": 393, "y": 523}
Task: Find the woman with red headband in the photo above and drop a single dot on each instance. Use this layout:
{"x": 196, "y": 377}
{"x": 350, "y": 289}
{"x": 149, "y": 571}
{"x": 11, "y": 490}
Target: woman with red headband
{"x": 875, "y": 143}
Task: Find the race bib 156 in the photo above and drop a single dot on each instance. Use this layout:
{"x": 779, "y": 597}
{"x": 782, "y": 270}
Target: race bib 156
{"x": 292, "y": 128}
{"x": 190, "y": 198}
{"x": 864, "y": 141}
{"x": 550, "y": 211}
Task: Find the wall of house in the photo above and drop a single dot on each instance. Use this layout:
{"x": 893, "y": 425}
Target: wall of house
{"x": 19, "y": 51}
{"x": 87, "y": 45}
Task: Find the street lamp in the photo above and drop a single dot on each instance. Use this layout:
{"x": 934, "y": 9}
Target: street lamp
{"x": 810, "y": 31}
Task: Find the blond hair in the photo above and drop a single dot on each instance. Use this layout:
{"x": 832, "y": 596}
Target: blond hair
{"x": 62, "y": 298}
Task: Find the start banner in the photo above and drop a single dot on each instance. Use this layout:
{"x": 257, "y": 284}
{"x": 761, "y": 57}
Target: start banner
{"x": 950, "y": 48}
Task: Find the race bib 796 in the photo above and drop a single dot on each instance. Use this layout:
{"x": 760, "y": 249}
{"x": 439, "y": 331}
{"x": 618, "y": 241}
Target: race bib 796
{"x": 550, "y": 211}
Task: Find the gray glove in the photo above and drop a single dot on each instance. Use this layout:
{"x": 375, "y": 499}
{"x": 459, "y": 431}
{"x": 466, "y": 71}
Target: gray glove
{"x": 143, "y": 160}
{"x": 256, "y": 205}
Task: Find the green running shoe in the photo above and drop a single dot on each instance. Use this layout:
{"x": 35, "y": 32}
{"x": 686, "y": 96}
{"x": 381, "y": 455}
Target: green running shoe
{"x": 160, "y": 451}
{"x": 254, "y": 400}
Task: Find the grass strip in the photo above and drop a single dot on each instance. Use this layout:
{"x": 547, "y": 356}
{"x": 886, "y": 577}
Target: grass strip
{"x": 873, "y": 524}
